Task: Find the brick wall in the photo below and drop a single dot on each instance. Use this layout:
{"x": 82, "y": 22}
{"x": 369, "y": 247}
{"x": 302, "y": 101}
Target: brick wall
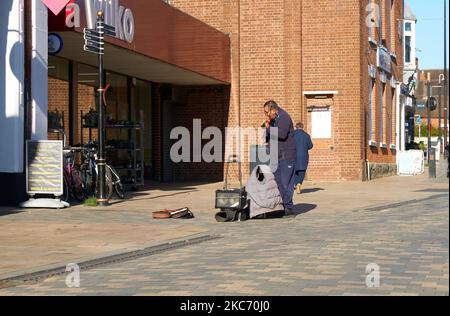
{"x": 210, "y": 104}
{"x": 387, "y": 118}
{"x": 279, "y": 49}
{"x": 266, "y": 55}
{"x": 287, "y": 47}
{"x": 58, "y": 101}
{"x": 331, "y": 61}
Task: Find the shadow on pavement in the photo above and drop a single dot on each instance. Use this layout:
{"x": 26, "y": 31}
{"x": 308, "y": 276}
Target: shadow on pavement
{"x": 9, "y": 211}
{"x": 299, "y": 209}
{"x": 312, "y": 190}
{"x": 139, "y": 196}
{"x": 303, "y": 208}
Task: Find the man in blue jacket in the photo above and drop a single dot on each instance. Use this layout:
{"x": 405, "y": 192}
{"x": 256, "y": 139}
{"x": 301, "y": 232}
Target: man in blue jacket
{"x": 304, "y": 145}
{"x": 276, "y": 117}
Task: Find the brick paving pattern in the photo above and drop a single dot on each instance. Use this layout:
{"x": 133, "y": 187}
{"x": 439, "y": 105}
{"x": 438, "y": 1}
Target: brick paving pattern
{"x": 315, "y": 253}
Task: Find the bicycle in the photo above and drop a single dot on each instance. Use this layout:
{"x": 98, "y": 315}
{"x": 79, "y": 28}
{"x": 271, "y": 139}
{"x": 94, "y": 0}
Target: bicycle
{"x": 73, "y": 184}
{"x": 89, "y": 171}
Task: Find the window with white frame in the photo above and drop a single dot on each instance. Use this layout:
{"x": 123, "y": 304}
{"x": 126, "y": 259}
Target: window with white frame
{"x": 407, "y": 49}
{"x": 393, "y": 118}
{"x": 372, "y": 115}
{"x": 382, "y": 113}
{"x": 408, "y": 27}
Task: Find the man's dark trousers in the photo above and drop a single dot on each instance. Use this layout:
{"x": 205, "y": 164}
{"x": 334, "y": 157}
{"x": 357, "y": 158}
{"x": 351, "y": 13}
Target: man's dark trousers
{"x": 299, "y": 176}
{"x": 285, "y": 178}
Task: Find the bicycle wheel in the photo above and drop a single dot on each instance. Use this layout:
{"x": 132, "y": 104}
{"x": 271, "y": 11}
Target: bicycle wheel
{"x": 88, "y": 181}
{"x": 109, "y": 183}
{"x": 77, "y": 186}
{"x": 66, "y": 192}
{"x": 118, "y": 187}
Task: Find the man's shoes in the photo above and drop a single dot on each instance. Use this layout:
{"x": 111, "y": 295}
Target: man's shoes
{"x": 298, "y": 188}
{"x": 288, "y": 212}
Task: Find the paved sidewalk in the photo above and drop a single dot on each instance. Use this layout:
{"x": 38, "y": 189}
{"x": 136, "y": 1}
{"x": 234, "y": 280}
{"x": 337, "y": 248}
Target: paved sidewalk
{"x": 33, "y": 238}
{"x": 313, "y": 254}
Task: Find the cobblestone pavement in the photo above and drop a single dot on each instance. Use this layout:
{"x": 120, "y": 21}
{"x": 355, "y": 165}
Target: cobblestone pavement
{"x": 312, "y": 254}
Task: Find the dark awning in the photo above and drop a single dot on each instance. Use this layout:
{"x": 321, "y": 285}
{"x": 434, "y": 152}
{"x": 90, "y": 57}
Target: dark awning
{"x": 169, "y": 46}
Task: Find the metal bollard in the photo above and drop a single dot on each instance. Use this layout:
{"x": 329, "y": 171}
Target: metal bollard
{"x": 432, "y": 163}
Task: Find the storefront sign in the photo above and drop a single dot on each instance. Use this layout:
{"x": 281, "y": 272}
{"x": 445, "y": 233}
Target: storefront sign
{"x": 384, "y": 60}
{"x": 116, "y": 16}
{"x": 56, "y": 6}
{"x": 45, "y": 167}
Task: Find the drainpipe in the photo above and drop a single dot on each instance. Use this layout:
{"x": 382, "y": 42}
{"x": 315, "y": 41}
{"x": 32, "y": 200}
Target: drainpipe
{"x": 239, "y": 79}
{"x": 368, "y": 169}
{"x": 28, "y": 44}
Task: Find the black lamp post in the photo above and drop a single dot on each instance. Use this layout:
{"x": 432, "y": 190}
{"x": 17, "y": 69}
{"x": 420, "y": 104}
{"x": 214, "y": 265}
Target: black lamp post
{"x": 101, "y": 159}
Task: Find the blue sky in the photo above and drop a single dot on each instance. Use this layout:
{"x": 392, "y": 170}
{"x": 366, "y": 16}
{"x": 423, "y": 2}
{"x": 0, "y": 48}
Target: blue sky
{"x": 430, "y": 32}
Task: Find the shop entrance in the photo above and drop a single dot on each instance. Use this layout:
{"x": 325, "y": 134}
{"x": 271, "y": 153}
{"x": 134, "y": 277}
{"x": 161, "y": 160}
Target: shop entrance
{"x": 73, "y": 106}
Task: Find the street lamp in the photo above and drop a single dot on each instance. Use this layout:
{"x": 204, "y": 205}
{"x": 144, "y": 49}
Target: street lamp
{"x": 431, "y": 104}
{"x": 440, "y": 111}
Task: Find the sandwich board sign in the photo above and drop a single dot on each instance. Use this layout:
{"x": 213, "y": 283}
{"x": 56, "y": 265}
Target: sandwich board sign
{"x": 44, "y": 173}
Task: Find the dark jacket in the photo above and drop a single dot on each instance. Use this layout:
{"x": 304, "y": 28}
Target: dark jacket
{"x": 304, "y": 144}
{"x": 286, "y": 140}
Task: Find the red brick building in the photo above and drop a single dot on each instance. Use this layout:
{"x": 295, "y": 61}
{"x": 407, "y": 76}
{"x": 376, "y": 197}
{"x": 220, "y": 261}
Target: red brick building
{"x": 313, "y": 56}
{"x": 175, "y": 69}
{"x": 437, "y": 91}
{"x": 220, "y": 60}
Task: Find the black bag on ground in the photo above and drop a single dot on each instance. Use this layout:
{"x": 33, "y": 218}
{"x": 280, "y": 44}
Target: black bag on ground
{"x": 232, "y": 202}
{"x": 231, "y": 215}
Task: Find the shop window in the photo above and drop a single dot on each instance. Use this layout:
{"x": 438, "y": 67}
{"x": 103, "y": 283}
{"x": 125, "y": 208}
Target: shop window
{"x": 142, "y": 111}
{"x": 118, "y": 107}
{"x": 87, "y": 84}
{"x": 58, "y": 98}
{"x": 118, "y": 113}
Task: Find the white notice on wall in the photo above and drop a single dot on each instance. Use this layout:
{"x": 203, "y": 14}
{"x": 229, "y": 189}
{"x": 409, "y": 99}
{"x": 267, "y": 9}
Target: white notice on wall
{"x": 321, "y": 123}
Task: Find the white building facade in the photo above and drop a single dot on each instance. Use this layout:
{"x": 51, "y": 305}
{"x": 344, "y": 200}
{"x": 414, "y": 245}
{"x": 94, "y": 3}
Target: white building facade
{"x": 13, "y": 89}
{"x": 409, "y": 29}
